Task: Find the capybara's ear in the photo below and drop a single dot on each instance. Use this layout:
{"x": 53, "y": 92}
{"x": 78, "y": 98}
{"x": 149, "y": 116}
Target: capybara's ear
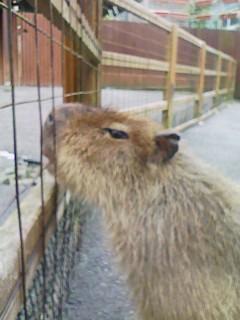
{"x": 166, "y": 147}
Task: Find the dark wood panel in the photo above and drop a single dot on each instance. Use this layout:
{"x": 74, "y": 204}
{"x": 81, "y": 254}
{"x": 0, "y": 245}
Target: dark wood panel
{"x": 140, "y": 39}
{"x": 132, "y": 78}
{"x": 226, "y": 41}
{"x": 27, "y": 53}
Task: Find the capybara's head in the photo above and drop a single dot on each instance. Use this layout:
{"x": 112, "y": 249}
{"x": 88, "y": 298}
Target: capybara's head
{"x": 95, "y": 146}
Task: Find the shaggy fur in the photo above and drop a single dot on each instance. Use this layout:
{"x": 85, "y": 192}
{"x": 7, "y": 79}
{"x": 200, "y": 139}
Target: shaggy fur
{"x": 172, "y": 223}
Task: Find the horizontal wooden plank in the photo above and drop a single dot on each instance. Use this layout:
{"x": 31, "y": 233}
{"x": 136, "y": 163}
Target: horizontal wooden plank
{"x": 214, "y": 73}
{"x": 209, "y": 94}
{"x": 187, "y": 69}
{"x": 213, "y": 50}
{"x": 72, "y": 16}
{"x": 194, "y": 121}
{"x": 129, "y": 61}
{"x": 223, "y": 91}
{"x": 227, "y": 57}
{"x": 185, "y": 99}
{"x": 162, "y": 106}
{"x": 217, "y": 53}
{"x": 183, "y": 34}
{"x": 155, "y": 106}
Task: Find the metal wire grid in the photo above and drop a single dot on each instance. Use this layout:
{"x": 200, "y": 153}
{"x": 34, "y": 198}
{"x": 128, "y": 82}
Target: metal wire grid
{"x": 50, "y": 284}
{"x": 60, "y": 44}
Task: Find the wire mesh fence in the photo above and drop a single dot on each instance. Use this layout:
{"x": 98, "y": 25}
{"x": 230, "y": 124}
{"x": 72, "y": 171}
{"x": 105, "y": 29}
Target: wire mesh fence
{"x": 51, "y": 55}
{"x": 50, "y": 286}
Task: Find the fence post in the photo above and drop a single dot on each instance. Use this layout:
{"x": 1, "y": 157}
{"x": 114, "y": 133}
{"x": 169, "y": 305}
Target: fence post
{"x": 4, "y": 49}
{"x": 218, "y": 78}
{"x": 202, "y": 67}
{"x": 171, "y": 78}
{"x": 69, "y": 70}
{"x": 230, "y": 76}
{"x": 234, "y": 78}
{"x": 99, "y": 70}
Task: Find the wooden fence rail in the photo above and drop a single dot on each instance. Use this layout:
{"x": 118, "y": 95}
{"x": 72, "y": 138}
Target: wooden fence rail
{"x": 212, "y": 71}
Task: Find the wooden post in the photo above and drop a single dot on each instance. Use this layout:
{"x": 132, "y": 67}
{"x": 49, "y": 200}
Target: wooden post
{"x": 5, "y": 53}
{"x": 218, "y": 79}
{"x": 202, "y": 67}
{"x": 98, "y": 33}
{"x": 171, "y": 79}
{"x": 234, "y": 79}
{"x": 69, "y": 71}
{"x": 230, "y": 76}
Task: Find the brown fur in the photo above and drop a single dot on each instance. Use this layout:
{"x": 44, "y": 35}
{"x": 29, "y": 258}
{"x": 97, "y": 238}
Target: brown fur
{"x": 172, "y": 223}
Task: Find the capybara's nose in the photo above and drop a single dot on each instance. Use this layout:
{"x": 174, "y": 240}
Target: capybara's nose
{"x": 56, "y": 122}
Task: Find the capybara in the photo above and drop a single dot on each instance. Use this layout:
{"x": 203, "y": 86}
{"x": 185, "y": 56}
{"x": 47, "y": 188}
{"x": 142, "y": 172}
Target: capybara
{"x": 172, "y": 219}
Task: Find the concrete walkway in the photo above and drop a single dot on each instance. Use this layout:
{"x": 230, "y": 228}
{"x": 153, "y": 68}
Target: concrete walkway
{"x": 28, "y": 141}
{"x": 97, "y": 289}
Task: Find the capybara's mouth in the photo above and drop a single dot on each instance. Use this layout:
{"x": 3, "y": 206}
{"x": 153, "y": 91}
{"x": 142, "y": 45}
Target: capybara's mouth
{"x": 48, "y": 150}
{"x": 48, "y": 165}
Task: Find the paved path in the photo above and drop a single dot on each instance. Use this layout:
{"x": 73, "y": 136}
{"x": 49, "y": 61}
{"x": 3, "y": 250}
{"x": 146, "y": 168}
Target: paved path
{"x": 28, "y": 132}
{"x": 97, "y": 289}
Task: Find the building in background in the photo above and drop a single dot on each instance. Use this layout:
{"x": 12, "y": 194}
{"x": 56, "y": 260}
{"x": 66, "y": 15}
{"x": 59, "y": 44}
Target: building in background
{"x": 210, "y": 14}
{"x": 176, "y": 11}
{"x": 215, "y": 14}
{"x": 201, "y": 14}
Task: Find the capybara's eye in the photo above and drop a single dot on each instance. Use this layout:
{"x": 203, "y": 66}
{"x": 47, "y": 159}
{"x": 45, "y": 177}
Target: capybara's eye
{"x": 116, "y": 134}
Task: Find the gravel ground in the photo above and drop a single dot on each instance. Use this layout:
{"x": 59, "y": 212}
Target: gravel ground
{"x": 97, "y": 290}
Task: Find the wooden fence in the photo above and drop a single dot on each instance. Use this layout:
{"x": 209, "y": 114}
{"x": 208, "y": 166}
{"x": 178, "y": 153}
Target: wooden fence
{"x": 151, "y": 53}
{"x": 225, "y": 41}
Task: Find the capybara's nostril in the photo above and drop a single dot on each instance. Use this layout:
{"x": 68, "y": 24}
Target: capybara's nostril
{"x": 50, "y": 118}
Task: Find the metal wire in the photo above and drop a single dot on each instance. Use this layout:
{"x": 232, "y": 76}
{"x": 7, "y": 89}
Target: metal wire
{"x": 55, "y": 262}
{"x": 62, "y": 45}
{"x": 11, "y": 69}
{"x": 41, "y": 153}
{"x": 77, "y": 93}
